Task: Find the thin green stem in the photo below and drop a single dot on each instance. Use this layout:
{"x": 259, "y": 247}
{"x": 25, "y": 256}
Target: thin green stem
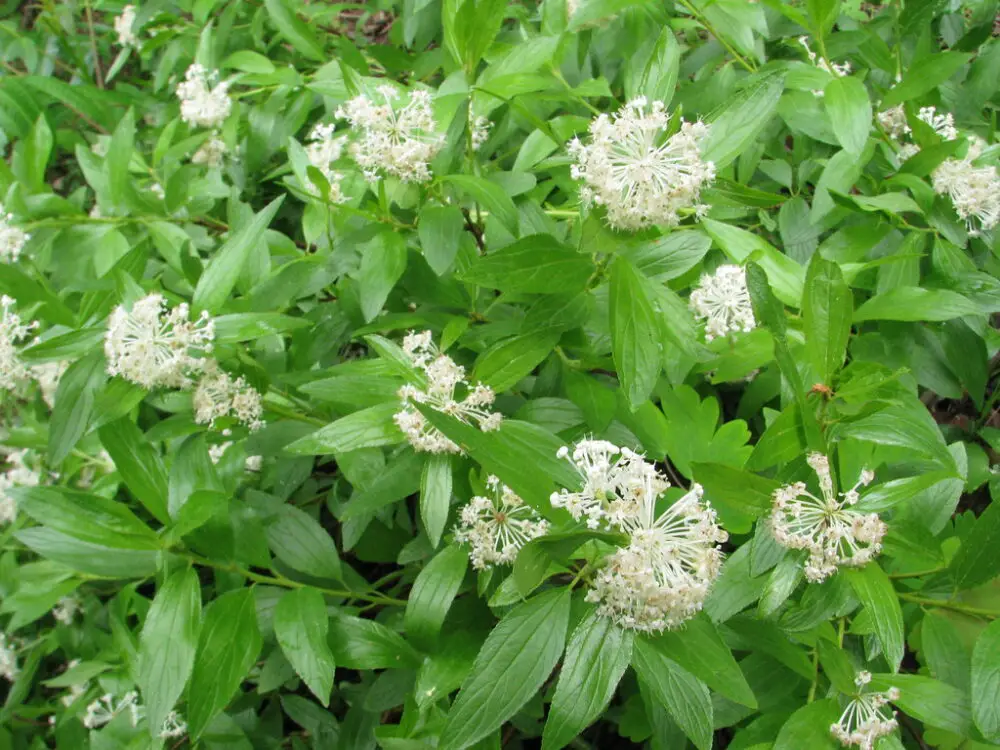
{"x": 815, "y": 679}
{"x": 918, "y": 574}
{"x": 711, "y": 30}
{"x": 282, "y": 411}
{"x": 956, "y": 606}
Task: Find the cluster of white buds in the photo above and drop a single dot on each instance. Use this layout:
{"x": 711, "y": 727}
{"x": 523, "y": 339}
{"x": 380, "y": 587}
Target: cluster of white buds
{"x": 324, "y": 149}
{"x": 12, "y": 332}
{"x": 173, "y": 726}
{"x": 204, "y": 102}
{"x": 893, "y": 122}
{"x": 211, "y": 153}
{"x": 66, "y": 609}
{"x": 723, "y": 302}
{"x": 219, "y": 395}
{"x": 496, "y": 527}
{"x": 837, "y": 70}
{"x": 21, "y": 473}
{"x": 125, "y": 27}
{"x": 662, "y": 577}
{"x": 443, "y": 378}
{"x": 866, "y": 718}
{"x": 974, "y": 191}
{"x": 827, "y": 527}
{"x": 106, "y": 708}
{"x": 75, "y": 690}
{"x": 48, "y": 375}
{"x": 217, "y": 451}
{"x": 637, "y": 171}
{"x": 12, "y": 238}
{"x": 8, "y": 659}
{"x": 395, "y": 141}
{"x": 479, "y": 132}
{"x": 943, "y": 125}
{"x": 153, "y": 345}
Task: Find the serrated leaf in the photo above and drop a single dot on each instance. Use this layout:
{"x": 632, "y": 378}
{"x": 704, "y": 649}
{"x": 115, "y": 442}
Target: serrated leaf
{"x": 537, "y": 264}
{"x": 634, "y": 332}
{"x": 435, "y": 495}
{"x": 685, "y": 697}
{"x": 433, "y": 592}
{"x": 300, "y": 625}
{"x": 986, "y": 682}
{"x": 369, "y": 428}
{"x": 874, "y": 590}
{"x": 742, "y": 118}
{"x": 827, "y": 307}
{"x": 977, "y": 561}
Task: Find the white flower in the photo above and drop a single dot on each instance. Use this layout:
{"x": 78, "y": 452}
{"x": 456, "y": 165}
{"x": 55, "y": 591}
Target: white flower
{"x": 217, "y": 451}
{"x": 218, "y": 395}
{"x": 125, "y": 27}
{"x": 828, "y": 528}
{"x": 395, "y": 141}
{"x": 723, "y": 302}
{"x": 8, "y": 659}
{"x": 19, "y": 474}
{"x": 153, "y": 345}
{"x": 105, "y": 708}
{"x": 253, "y": 463}
{"x": 443, "y": 378}
{"x": 324, "y": 149}
{"x": 943, "y": 125}
{"x": 834, "y": 69}
{"x": 173, "y": 726}
{"x": 636, "y": 171}
{"x": 12, "y": 239}
{"x": 47, "y": 375}
{"x": 479, "y": 132}
{"x": 497, "y": 527}
{"x": 893, "y": 121}
{"x": 974, "y": 191}
{"x": 12, "y": 331}
{"x": 204, "y": 103}
{"x": 66, "y": 609}
{"x": 211, "y": 152}
{"x": 866, "y": 719}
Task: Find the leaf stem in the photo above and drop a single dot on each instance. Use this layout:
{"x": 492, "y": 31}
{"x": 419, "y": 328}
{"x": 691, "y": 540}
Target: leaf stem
{"x": 711, "y": 30}
{"x": 918, "y": 574}
{"x": 956, "y": 606}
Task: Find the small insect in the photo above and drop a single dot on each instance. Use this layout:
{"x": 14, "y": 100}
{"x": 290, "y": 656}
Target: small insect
{"x": 826, "y": 390}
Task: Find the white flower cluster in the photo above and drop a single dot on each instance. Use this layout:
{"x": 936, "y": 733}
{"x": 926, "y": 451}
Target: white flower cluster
{"x": 20, "y": 474}
{"x": 204, "y": 103}
{"x": 48, "y": 375}
{"x": 153, "y": 345}
{"x": 211, "y": 153}
{"x": 8, "y": 659}
{"x": 396, "y": 141}
{"x": 866, "y": 719}
{"x": 324, "y": 149}
{"x": 497, "y": 527}
{"x": 479, "y": 132}
{"x": 722, "y": 300}
{"x": 444, "y": 377}
{"x": 12, "y": 239}
{"x": 893, "y": 121}
{"x": 641, "y": 175}
{"x": 833, "y": 533}
{"x": 216, "y": 452}
{"x": 662, "y": 577}
{"x": 219, "y": 395}
{"x": 974, "y": 191}
{"x": 66, "y": 609}
{"x": 125, "y": 27}
{"x": 837, "y": 70}
{"x": 12, "y": 332}
{"x": 103, "y": 710}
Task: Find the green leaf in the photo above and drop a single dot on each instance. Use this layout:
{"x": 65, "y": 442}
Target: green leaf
{"x": 930, "y": 701}
{"x": 784, "y": 274}
{"x": 986, "y": 682}
{"x": 219, "y": 278}
{"x": 74, "y": 406}
{"x": 432, "y": 594}
{"x": 512, "y": 665}
{"x": 440, "y": 231}
{"x": 358, "y": 643}
{"x": 909, "y": 426}
{"x": 809, "y": 727}
{"x": 301, "y": 543}
{"x": 685, "y": 696}
{"x": 435, "y": 495}
{"x": 923, "y": 75}
{"x": 168, "y": 643}
{"x": 369, "y": 428}
{"x": 874, "y": 590}
{"x": 503, "y": 365}
{"x": 823, "y": 14}
{"x": 489, "y": 194}
{"x": 300, "y": 625}
{"x": 295, "y": 30}
{"x": 401, "y": 480}
{"x": 227, "y": 648}
{"x": 116, "y": 162}
{"x": 634, "y": 330}
{"x": 139, "y": 465}
{"x": 538, "y": 264}
{"x": 230, "y": 329}
{"x": 827, "y": 306}
{"x": 248, "y": 62}
{"x": 977, "y": 560}
{"x": 597, "y": 656}
{"x": 659, "y": 77}
{"x": 945, "y": 655}
{"x": 695, "y": 433}
{"x": 740, "y": 121}
{"x": 733, "y": 490}
{"x": 915, "y": 303}
{"x": 383, "y": 261}
{"x": 87, "y": 557}
{"x": 699, "y": 649}
{"x": 850, "y": 111}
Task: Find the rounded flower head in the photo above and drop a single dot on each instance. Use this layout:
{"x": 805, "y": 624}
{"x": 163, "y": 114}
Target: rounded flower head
{"x": 211, "y": 153}
{"x": 12, "y": 331}
{"x": 974, "y": 191}
{"x": 393, "y": 140}
{"x": 496, "y": 527}
{"x": 153, "y": 345}
{"x": 323, "y": 150}
{"x": 943, "y": 125}
{"x": 723, "y": 302}
{"x": 444, "y": 380}
{"x": 828, "y": 528}
{"x": 125, "y": 27}
{"x": 893, "y": 122}
{"x": 636, "y": 171}
{"x": 219, "y": 395}
{"x": 204, "y": 103}
{"x": 12, "y": 239}
{"x": 866, "y": 717}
